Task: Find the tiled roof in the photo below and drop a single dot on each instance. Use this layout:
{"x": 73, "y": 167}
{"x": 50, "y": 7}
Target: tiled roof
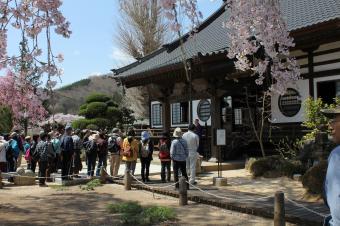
{"x": 213, "y": 37}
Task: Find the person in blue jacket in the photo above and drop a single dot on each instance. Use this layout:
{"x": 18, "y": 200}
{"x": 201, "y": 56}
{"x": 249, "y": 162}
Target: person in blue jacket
{"x": 332, "y": 182}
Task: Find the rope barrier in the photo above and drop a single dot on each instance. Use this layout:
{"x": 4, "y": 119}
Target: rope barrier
{"x": 12, "y": 174}
{"x": 152, "y": 187}
{"x": 226, "y": 197}
{"x": 306, "y": 208}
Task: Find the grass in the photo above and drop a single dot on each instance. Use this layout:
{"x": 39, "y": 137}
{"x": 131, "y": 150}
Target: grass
{"x": 91, "y": 185}
{"x": 132, "y": 213}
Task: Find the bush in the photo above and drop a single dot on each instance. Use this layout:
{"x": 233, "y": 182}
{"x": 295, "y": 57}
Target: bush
{"x": 133, "y": 213}
{"x": 80, "y": 123}
{"x": 101, "y": 122}
{"x": 92, "y": 127}
{"x": 313, "y": 180}
{"x": 113, "y": 113}
{"x": 91, "y": 185}
{"x": 95, "y": 109}
{"x": 275, "y": 166}
{"x": 97, "y": 97}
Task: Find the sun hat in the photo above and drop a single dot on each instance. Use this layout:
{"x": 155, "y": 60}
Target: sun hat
{"x": 145, "y": 136}
{"x": 331, "y": 113}
{"x": 27, "y": 138}
{"x": 94, "y": 137}
{"x": 177, "y": 132}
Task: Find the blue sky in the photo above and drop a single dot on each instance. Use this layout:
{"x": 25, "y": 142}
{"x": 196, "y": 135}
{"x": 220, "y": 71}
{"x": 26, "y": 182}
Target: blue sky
{"x": 92, "y": 49}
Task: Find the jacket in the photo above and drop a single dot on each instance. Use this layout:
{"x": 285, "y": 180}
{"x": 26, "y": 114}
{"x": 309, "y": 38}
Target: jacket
{"x": 134, "y": 147}
{"x": 332, "y": 185}
{"x": 179, "y": 150}
{"x": 42, "y": 149}
{"x": 193, "y": 141}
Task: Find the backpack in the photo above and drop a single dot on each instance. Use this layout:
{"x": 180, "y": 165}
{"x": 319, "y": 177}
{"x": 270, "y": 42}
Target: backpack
{"x": 50, "y": 150}
{"x": 144, "y": 150}
{"x": 113, "y": 145}
{"x": 35, "y": 155}
{"x": 9, "y": 152}
{"x": 90, "y": 147}
{"x": 28, "y": 155}
{"x": 164, "y": 152}
{"x": 127, "y": 152}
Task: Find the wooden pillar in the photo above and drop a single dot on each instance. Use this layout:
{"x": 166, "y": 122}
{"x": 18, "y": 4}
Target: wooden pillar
{"x": 183, "y": 192}
{"x": 127, "y": 180}
{"x": 279, "y": 209}
{"x": 0, "y": 180}
{"x": 166, "y": 115}
{"x": 215, "y": 124}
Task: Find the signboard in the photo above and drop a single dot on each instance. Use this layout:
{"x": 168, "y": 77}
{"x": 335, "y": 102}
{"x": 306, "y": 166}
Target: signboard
{"x": 220, "y": 137}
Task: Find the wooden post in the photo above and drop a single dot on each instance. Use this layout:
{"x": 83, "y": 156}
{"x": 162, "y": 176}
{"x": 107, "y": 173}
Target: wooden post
{"x": 0, "y": 180}
{"x": 127, "y": 180}
{"x": 279, "y": 209}
{"x": 183, "y": 192}
{"x": 102, "y": 175}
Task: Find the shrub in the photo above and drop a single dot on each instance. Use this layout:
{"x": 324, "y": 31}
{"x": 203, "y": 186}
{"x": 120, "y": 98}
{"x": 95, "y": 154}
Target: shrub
{"x": 92, "y": 127}
{"x": 111, "y": 103}
{"x": 249, "y": 163}
{"x": 97, "y": 97}
{"x": 133, "y": 213}
{"x": 95, "y": 109}
{"x": 80, "y": 123}
{"x": 91, "y": 185}
{"x": 314, "y": 178}
{"x": 101, "y": 122}
{"x": 113, "y": 113}
{"x": 275, "y": 166}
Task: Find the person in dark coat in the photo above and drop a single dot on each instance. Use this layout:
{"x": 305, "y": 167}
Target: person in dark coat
{"x": 42, "y": 149}
{"x": 145, "y": 154}
{"x": 66, "y": 155}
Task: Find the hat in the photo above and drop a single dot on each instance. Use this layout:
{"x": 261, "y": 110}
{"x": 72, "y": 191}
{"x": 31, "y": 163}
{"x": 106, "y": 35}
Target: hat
{"x": 14, "y": 134}
{"x": 68, "y": 127}
{"x": 94, "y": 137}
{"x": 177, "y": 132}
{"x": 27, "y": 138}
{"x": 331, "y": 113}
{"x": 115, "y": 130}
{"x": 145, "y": 136}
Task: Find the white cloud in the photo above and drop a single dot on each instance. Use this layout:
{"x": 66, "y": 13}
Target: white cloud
{"x": 120, "y": 58}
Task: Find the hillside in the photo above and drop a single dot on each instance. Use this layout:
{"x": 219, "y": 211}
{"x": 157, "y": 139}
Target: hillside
{"x": 70, "y": 97}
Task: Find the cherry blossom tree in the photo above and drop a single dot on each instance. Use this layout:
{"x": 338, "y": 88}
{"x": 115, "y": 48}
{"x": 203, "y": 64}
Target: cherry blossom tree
{"x": 33, "y": 19}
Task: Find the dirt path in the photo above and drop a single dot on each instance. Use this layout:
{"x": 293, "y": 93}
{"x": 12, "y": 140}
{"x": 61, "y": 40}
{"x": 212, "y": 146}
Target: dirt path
{"x": 33, "y": 205}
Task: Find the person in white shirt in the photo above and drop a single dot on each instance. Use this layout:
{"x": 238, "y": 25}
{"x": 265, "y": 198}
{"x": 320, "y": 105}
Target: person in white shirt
{"x": 192, "y": 140}
{"x": 3, "y": 161}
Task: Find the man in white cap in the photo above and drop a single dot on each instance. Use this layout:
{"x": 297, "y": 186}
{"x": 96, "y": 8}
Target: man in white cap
{"x": 332, "y": 182}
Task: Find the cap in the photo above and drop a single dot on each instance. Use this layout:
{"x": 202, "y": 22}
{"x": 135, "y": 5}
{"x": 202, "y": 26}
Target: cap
{"x": 145, "y": 135}
{"x": 331, "y": 113}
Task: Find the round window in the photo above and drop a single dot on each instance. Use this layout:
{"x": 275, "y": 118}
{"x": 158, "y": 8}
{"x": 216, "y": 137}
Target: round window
{"x": 290, "y": 102}
{"x": 203, "y": 110}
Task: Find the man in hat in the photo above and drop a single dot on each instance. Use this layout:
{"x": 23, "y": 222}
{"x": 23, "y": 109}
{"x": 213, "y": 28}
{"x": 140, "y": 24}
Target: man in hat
{"x": 66, "y": 154}
{"x": 179, "y": 154}
{"x": 332, "y": 182}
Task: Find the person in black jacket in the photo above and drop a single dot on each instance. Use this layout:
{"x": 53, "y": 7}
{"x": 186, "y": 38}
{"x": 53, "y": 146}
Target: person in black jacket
{"x": 91, "y": 150}
{"x": 42, "y": 149}
{"x": 34, "y": 160}
{"x": 66, "y": 155}
{"x": 145, "y": 154}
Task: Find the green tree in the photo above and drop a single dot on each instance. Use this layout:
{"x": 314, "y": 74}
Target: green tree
{"x": 101, "y": 111}
{"x": 314, "y": 119}
{"x": 5, "y": 120}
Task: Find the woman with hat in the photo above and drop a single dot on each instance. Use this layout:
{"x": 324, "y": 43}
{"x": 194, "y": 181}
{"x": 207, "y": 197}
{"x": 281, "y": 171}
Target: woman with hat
{"x": 130, "y": 151}
{"x": 145, "y": 153}
{"x": 179, "y": 153}
{"x": 164, "y": 156}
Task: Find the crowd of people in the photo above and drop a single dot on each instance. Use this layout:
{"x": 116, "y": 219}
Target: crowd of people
{"x": 63, "y": 150}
